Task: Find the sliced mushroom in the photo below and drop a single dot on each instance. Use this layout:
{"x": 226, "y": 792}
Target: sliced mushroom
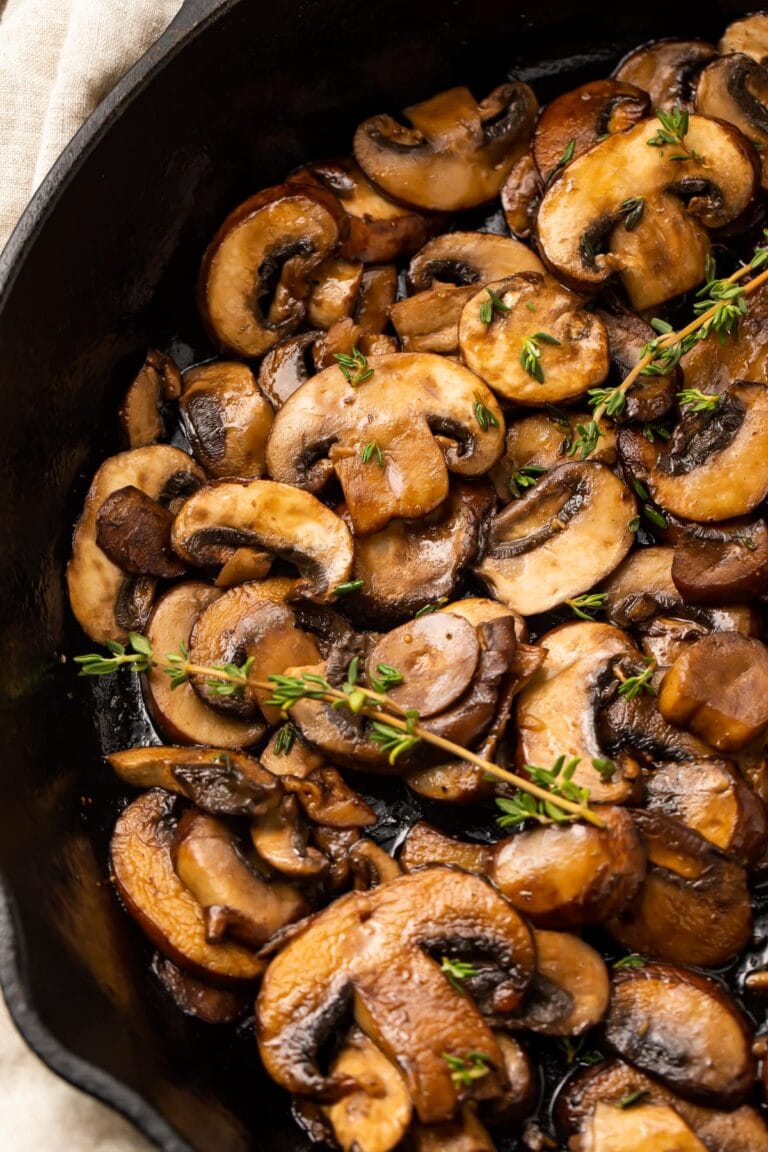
{"x": 582, "y": 116}
{"x": 141, "y": 413}
{"x": 569, "y": 345}
{"x": 664, "y": 253}
{"x": 243, "y": 565}
{"x": 425, "y": 845}
{"x": 335, "y": 288}
{"x": 651, "y": 397}
{"x": 693, "y": 906}
{"x": 437, "y": 656}
{"x": 614, "y": 1082}
{"x": 520, "y": 196}
{"x": 378, "y": 289}
{"x": 297, "y": 759}
{"x": 134, "y": 532}
{"x": 179, "y": 713}
{"x": 719, "y": 689}
{"x": 201, "y": 998}
{"x": 280, "y": 838}
{"x": 237, "y": 903}
{"x": 723, "y": 563}
{"x": 639, "y": 1128}
{"x": 222, "y": 782}
{"x": 376, "y": 1114}
{"x": 143, "y": 873}
{"x": 571, "y": 989}
{"x": 457, "y": 154}
{"x": 466, "y": 258}
{"x": 711, "y": 365}
{"x": 667, "y": 70}
{"x": 464, "y": 1134}
{"x": 748, "y": 35}
{"x": 414, "y": 563}
{"x": 336, "y": 844}
{"x": 256, "y": 273}
{"x": 557, "y": 711}
{"x": 715, "y": 466}
{"x": 559, "y": 539}
{"x": 429, "y": 321}
{"x": 566, "y": 876}
{"x": 293, "y": 524}
{"x": 538, "y": 442}
{"x": 735, "y": 89}
{"x": 287, "y": 367}
{"x": 371, "y": 865}
{"x": 227, "y": 419}
{"x": 370, "y": 951}
{"x": 684, "y": 1029}
{"x": 100, "y": 592}
{"x": 713, "y": 798}
{"x": 380, "y": 229}
{"x": 327, "y": 425}
{"x": 523, "y": 1087}
{"x": 328, "y": 800}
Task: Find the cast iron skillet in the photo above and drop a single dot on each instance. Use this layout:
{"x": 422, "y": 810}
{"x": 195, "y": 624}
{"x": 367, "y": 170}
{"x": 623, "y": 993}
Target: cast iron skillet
{"x": 101, "y": 266}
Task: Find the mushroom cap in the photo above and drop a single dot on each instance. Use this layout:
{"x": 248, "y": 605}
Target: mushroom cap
{"x": 464, "y": 258}
{"x": 571, "y": 990}
{"x": 231, "y": 514}
{"x": 748, "y": 35}
{"x": 587, "y": 208}
{"x": 227, "y": 419}
{"x": 735, "y": 89}
{"x": 457, "y": 154}
{"x": 96, "y": 585}
{"x": 582, "y": 116}
{"x": 542, "y": 440}
{"x": 667, "y": 70}
{"x": 410, "y": 399}
{"x": 282, "y": 234}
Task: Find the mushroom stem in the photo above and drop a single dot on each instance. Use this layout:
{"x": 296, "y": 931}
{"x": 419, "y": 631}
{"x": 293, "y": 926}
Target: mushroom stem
{"x": 672, "y": 338}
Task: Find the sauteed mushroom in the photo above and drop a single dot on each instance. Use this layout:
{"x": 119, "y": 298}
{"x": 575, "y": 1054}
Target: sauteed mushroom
{"x": 571, "y": 989}
{"x": 201, "y": 998}
{"x": 748, "y": 35}
{"x": 289, "y": 365}
{"x": 570, "y": 124}
{"x": 376, "y": 1114}
{"x": 520, "y": 196}
{"x": 281, "y": 841}
{"x": 456, "y": 154}
{"x": 467, "y": 258}
{"x": 538, "y": 442}
{"x": 134, "y": 532}
{"x": 642, "y": 1128}
{"x": 712, "y": 365}
{"x": 141, "y": 413}
{"x": 735, "y": 89}
{"x": 667, "y": 70}
{"x": 227, "y": 419}
{"x": 256, "y": 273}
{"x": 650, "y": 397}
{"x": 721, "y": 563}
{"x": 335, "y": 288}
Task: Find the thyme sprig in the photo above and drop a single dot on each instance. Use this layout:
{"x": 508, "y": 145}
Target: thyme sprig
{"x": 558, "y": 782}
{"x": 284, "y": 740}
{"x": 586, "y": 606}
{"x": 372, "y": 451}
{"x": 577, "y": 1050}
{"x": 633, "y": 960}
{"x": 525, "y": 478}
{"x": 493, "y": 304}
{"x": 632, "y": 210}
{"x": 696, "y": 401}
{"x": 464, "y": 1071}
{"x": 632, "y": 686}
{"x": 530, "y": 354}
{"x": 354, "y": 367}
{"x": 396, "y": 730}
{"x": 564, "y": 160}
{"x": 483, "y": 414}
{"x": 457, "y": 971}
{"x": 672, "y": 133}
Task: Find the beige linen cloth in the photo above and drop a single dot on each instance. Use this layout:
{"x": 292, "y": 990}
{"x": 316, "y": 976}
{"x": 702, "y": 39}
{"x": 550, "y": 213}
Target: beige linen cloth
{"x": 58, "y": 58}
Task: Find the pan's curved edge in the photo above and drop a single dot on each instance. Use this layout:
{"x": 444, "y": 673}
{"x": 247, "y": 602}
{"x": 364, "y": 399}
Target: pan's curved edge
{"x": 60, "y": 1059}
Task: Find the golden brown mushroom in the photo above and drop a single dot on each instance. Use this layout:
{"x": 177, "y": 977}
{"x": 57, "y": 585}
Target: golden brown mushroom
{"x": 722, "y": 563}
{"x": 734, "y": 88}
{"x": 376, "y": 1114}
{"x": 571, "y": 990}
{"x": 227, "y": 419}
{"x": 536, "y": 443}
{"x": 570, "y": 124}
{"x": 748, "y": 35}
{"x": 141, "y": 413}
{"x": 667, "y": 70}
{"x": 639, "y": 1128}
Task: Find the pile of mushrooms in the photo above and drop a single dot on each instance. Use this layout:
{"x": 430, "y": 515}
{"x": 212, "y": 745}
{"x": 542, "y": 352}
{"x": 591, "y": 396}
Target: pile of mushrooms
{"x": 376, "y": 467}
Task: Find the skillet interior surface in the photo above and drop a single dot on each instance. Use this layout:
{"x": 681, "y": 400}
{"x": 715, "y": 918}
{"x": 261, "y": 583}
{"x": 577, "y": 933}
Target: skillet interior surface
{"x": 101, "y": 268}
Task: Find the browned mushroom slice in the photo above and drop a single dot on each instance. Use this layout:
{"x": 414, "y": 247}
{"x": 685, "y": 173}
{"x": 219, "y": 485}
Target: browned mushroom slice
{"x": 227, "y": 419}
{"x": 100, "y": 591}
{"x": 143, "y": 873}
{"x": 376, "y": 1114}
{"x": 571, "y": 989}
{"x": 201, "y": 998}
{"x": 256, "y": 273}
{"x": 693, "y": 906}
{"x": 378, "y": 289}
{"x": 335, "y": 287}
{"x": 436, "y": 655}
{"x": 243, "y": 565}
{"x": 523, "y": 1087}
{"x": 559, "y": 539}
{"x": 141, "y": 417}
{"x": 293, "y": 524}
{"x": 735, "y": 89}
{"x": 570, "y": 124}
{"x": 371, "y": 865}
{"x": 426, "y": 845}
{"x": 748, "y": 35}
{"x": 371, "y": 951}
{"x": 134, "y": 532}
{"x": 338, "y": 735}
{"x": 290, "y": 755}
{"x": 538, "y": 442}
{"x": 179, "y": 713}
{"x": 520, "y": 196}
{"x": 667, "y": 70}
{"x": 713, "y": 798}
{"x": 719, "y": 689}
{"x": 684, "y": 1029}
{"x": 466, "y": 258}
{"x": 287, "y": 367}
{"x": 614, "y": 1083}
{"x": 328, "y": 800}
{"x": 280, "y": 838}
{"x": 411, "y": 564}
{"x": 715, "y": 466}
{"x": 251, "y": 620}
{"x": 464, "y": 1134}
{"x": 664, "y": 253}
{"x": 380, "y": 229}
{"x": 566, "y": 876}
{"x": 650, "y": 397}
{"x": 711, "y": 365}
{"x": 236, "y": 901}
{"x": 722, "y": 563}
{"x": 546, "y": 356}
{"x": 327, "y": 426}
{"x": 222, "y": 782}
{"x": 557, "y": 711}
{"x": 429, "y": 321}
{"x": 457, "y": 154}
{"x": 637, "y": 1128}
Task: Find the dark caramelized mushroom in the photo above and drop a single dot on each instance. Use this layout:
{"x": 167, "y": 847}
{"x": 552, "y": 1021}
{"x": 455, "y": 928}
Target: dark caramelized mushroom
{"x": 571, "y": 989}
{"x": 256, "y": 273}
{"x": 371, "y": 865}
{"x": 201, "y": 998}
{"x": 457, "y": 154}
{"x": 280, "y": 838}
{"x": 667, "y": 70}
{"x": 735, "y": 89}
{"x": 328, "y": 800}
{"x": 134, "y": 532}
{"x": 683, "y": 1029}
{"x": 371, "y": 952}
{"x": 143, "y": 873}
{"x": 141, "y": 415}
{"x": 721, "y": 564}
{"x": 650, "y": 397}
{"x": 467, "y": 258}
{"x": 227, "y": 419}
{"x": 580, "y": 117}
{"x": 426, "y": 845}
{"x": 693, "y": 906}
{"x": 287, "y": 367}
